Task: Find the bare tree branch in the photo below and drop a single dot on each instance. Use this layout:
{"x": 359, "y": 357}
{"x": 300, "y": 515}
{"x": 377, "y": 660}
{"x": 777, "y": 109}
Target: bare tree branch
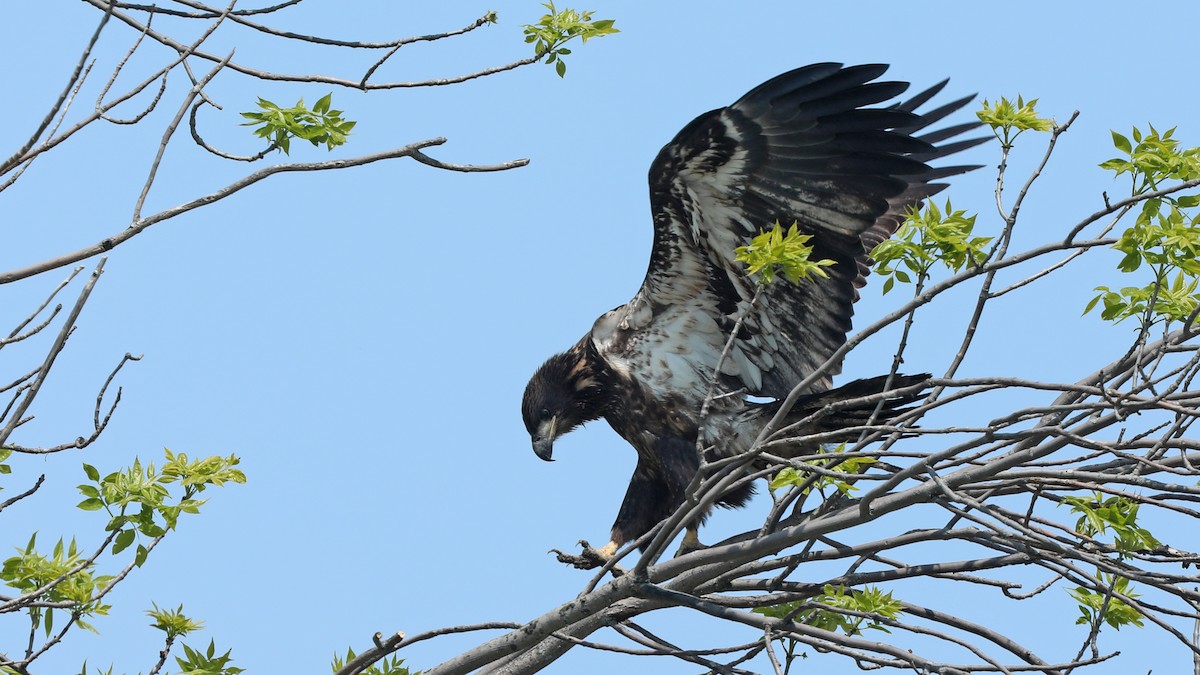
{"x": 141, "y": 224}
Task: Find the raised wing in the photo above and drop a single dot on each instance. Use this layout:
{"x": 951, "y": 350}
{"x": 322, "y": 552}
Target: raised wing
{"x": 802, "y": 147}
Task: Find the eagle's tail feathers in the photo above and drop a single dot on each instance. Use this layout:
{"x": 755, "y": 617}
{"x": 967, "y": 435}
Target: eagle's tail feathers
{"x": 858, "y": 403}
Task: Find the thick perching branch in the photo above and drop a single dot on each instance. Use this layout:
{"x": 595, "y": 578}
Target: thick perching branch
{"x": 717, "y": 569}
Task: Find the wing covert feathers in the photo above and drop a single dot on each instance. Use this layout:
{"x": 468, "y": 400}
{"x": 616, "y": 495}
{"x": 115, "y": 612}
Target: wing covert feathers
{"x": 813, "y": 146}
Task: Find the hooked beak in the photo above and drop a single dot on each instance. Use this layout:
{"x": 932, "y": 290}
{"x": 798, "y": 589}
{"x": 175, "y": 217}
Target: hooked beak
{"x": 543, "y": 440}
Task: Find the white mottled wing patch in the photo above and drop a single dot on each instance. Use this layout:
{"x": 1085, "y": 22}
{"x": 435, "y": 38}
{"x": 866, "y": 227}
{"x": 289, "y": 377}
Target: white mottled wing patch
{"x": 801, "y": 147}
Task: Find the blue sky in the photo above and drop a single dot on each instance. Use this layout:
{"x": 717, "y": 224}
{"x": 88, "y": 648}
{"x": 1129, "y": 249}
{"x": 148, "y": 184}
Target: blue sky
{"x": 361, "y": 338}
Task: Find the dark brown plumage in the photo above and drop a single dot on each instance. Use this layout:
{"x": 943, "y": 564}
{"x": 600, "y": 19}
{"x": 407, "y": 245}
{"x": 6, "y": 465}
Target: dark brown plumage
{"x": 804, "y": 147}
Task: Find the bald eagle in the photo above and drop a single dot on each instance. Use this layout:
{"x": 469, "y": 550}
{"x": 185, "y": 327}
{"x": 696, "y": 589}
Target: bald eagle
{"x": 804, "y": 147}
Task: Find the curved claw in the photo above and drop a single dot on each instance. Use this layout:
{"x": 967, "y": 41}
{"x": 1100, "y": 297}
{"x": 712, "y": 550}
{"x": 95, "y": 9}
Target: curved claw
{"x": 589, "y": 558}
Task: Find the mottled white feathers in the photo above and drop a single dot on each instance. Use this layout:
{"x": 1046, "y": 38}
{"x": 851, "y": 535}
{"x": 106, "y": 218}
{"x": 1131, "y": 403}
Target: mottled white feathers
{"x": 801, "y": 147}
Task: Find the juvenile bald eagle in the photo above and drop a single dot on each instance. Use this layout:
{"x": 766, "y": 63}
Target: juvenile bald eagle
{"x": 804, "y": 147}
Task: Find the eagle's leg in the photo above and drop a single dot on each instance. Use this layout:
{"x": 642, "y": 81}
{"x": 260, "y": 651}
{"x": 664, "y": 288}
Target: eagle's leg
{"x": 691, "y": 541}
{"x": 608, "y": 550}
{"x": 590, "y": 558}
{"x": 656, "y": 489}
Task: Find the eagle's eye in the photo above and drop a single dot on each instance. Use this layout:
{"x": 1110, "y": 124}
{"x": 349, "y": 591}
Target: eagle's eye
{"x": 544, "y": 415}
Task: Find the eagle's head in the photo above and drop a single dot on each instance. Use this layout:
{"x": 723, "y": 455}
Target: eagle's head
{"x": 568, "y": 390}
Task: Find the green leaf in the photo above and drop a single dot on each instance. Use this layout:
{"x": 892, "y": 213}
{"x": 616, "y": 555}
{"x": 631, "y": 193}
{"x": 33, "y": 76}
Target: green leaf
{"x": 822, "y": 610}
{"x": 123, "y": 540}
{"x": 1121, "y": 143}
{"x": 91, "y": 472}
{"x": 1116, "y": 612}
{"x": 786, "y": 476}
{"x": 90, "y": 504}
{"x": 850, "y": 466}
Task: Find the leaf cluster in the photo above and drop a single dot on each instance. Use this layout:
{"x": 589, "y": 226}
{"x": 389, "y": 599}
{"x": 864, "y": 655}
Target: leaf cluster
{"x": 817, "y": 613}
{"x": 173, "y": 622}
{"x": 388, "y": 666}
{"x": 792, "y": 477}
{"x": 1009, "y": 120}
{"x": 1155, "y": 158}
{"x": 30, "y": 571}
{"x": 773, "y": 251}
{"x": 557, "y": 28}
{"x": 1165, "y": 236}
{"x": 1099, "y": 514}
{"x": 318, "y": 125}
{"x": 138, "y": 501}
{"x": 1116, "y": 612}
{"x": 195, "y": 662}
{"x": 928, "y": 236}
{"x": 1171, "y": 301}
